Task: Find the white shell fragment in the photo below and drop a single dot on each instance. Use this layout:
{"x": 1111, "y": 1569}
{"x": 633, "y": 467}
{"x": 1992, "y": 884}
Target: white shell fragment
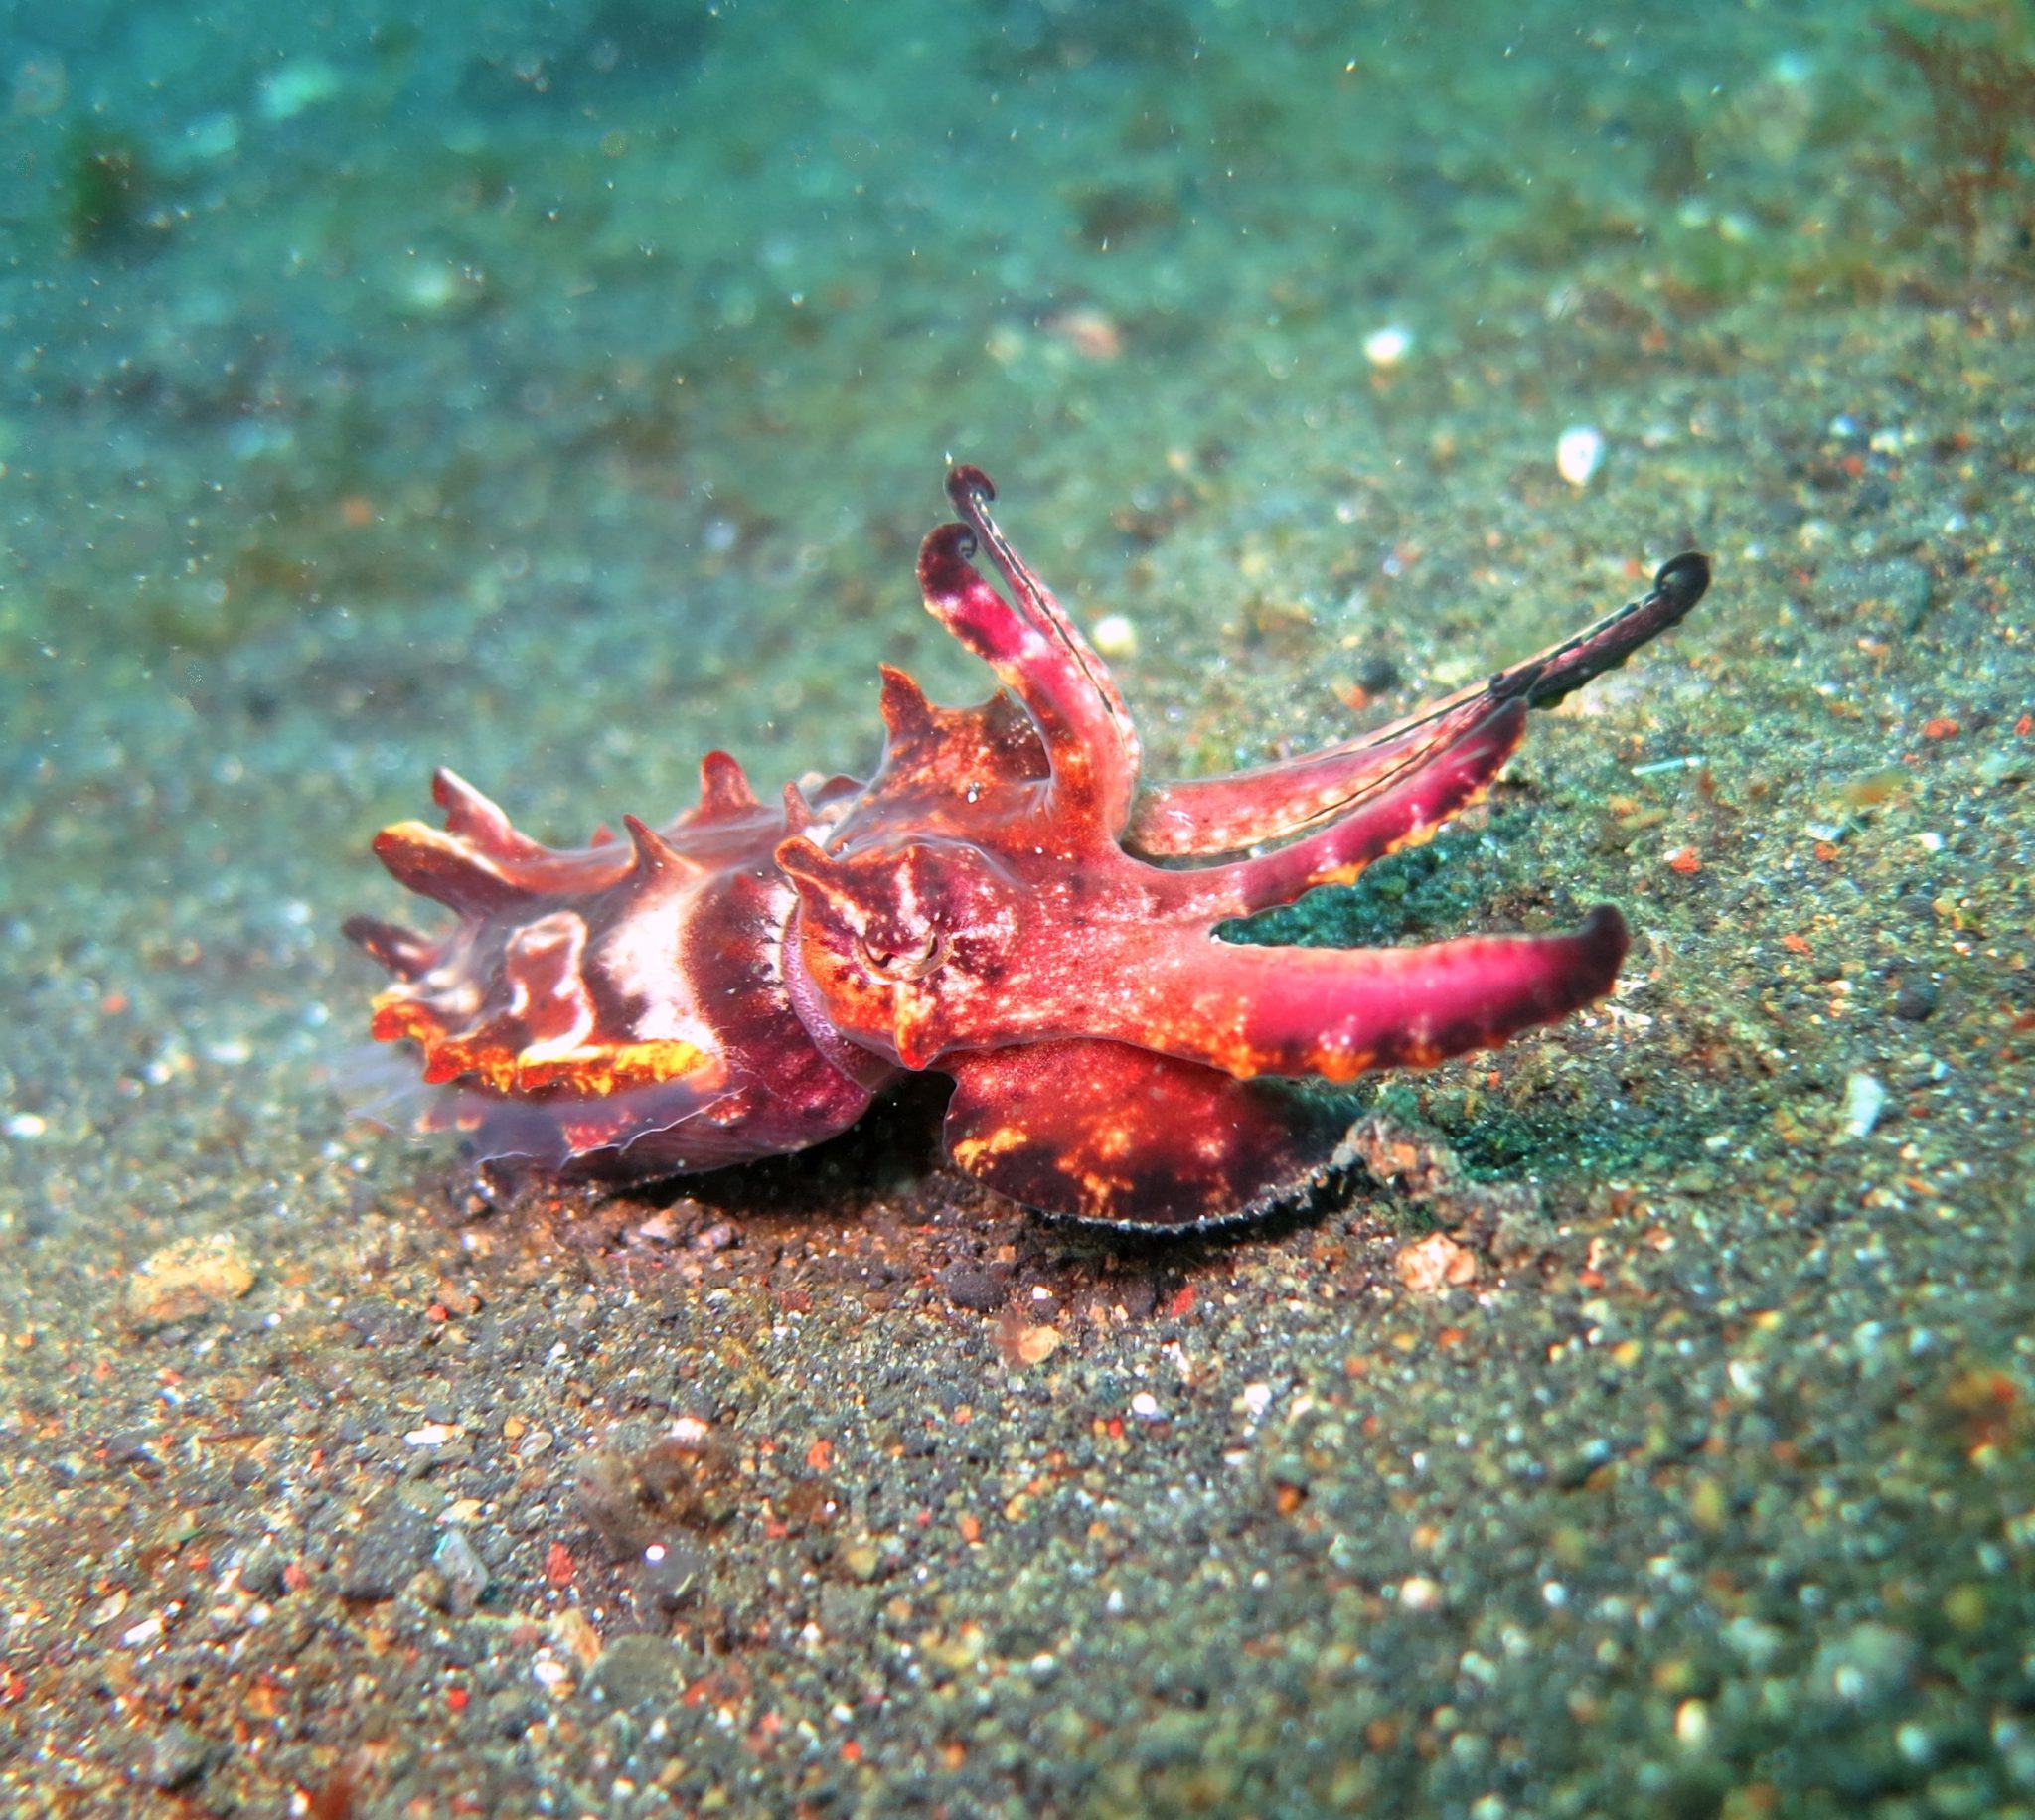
{"x": 1863, "y": 1099}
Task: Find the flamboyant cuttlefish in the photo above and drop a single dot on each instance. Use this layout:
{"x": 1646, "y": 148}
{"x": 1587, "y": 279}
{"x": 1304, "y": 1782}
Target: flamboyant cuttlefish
{"x": 1003, "y": 901}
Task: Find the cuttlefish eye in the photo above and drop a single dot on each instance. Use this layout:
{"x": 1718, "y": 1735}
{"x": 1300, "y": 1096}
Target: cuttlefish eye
{"x": 908, "y": 964}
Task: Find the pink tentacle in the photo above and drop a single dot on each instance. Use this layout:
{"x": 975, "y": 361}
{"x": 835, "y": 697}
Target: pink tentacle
{"x": 1226, "y": 815}
{"x": 1409, "y": 811}
{"x": 1037, "y": 652}
{"x": 1211, "y": 817}
{"x": 1338, "y": 1013}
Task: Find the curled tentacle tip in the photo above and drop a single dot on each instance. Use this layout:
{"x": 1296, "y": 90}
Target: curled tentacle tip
{"x": 968, "y": 485}
{"x": 1686, "y": 577}
{"x": 943, "y": 558}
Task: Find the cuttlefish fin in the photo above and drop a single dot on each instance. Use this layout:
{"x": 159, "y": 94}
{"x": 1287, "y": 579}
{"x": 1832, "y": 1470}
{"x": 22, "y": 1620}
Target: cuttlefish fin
{"x": 1102, "y": 1131}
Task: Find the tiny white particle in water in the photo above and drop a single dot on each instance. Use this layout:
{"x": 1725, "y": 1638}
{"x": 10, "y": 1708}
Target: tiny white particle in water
{"x": 1114, "y": 636}
{"x": 1388, "y": 346}
{"x": 1577, "y": 454}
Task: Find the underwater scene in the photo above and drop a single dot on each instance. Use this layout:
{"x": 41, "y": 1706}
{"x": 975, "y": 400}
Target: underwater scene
{"x": 701, "y": 1112}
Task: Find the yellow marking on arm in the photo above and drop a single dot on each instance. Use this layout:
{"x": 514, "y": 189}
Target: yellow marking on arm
{"x": 971, "y": 1150}
{"x": 594, "y": 1071}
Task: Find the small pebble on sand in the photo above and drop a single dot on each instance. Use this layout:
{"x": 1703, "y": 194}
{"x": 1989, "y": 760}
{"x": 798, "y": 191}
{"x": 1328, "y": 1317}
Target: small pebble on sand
{"x": 188, "y": 1277}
